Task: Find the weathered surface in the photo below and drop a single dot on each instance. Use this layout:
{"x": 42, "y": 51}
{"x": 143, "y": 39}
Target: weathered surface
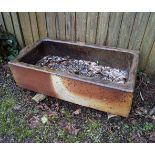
{"x": 91, "y": 27}
{"x": 26, "y": 27}
{"x": 8, "y": 22}
{"x": 51, "y": 24}
{"x": 2, "y": 21}
{"x": 17, "y": 28}
{"x": 138, "y": 30}
{"x": 81, "y": 20}
{"x": 150, "y": 67}
{"x": 89, "y": 95}
{"x": 60, "y": 25}
{"x": 126, "y": 28}
{"x": 109, "y": 97}
{"x": 148, "y": 40}
{"x": 34, "y": 26}
{"x": 102, "y": 29}
{"x": 70, "y": 26}
{"x": 114, "y": 28}
{"x": 41, "y": 19}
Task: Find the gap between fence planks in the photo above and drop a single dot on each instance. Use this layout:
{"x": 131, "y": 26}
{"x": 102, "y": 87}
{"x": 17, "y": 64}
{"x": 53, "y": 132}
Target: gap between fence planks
{"x": 81, "y": 21}
{"x": 34, "y": 26}
{"x": 51, "y": 24}
{"x": 148, "y": 41}
{"x": 8, "y": 22}
{"x": 2, "y": 21}
{"x": 26, "y": 27}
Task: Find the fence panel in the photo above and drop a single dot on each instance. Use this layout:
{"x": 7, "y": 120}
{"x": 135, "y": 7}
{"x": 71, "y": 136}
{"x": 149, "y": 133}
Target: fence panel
{"x": 81, "y": 21}
{"x": 26, "y": 27}
{"x": 91, "y": 27}
{"x": 8, "y": 22}
{"x": 2, "y": 21}
{"x": 34, "y": 26}
{"x": 148, "y": 41}
{"x": 51, "y": 24}
{"x": 127, "y": 30}
{"x": 114, "y": 28}
{"x": 102, "y": 30}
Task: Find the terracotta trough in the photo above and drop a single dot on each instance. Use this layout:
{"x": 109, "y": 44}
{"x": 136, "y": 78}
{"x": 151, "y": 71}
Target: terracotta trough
{"x": 105, "y": 96}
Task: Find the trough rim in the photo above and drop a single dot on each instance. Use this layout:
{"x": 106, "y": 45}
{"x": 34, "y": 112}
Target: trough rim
{"x": 127, "y": 87}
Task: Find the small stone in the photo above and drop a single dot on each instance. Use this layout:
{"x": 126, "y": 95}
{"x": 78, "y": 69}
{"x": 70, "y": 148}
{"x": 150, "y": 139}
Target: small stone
{"x": 44, "y": 119}
{"x": 152, "y": 136}
{"x": 38, "y": 97}
{"x": 17, "y": 107}
{"x": 152, "y": 111}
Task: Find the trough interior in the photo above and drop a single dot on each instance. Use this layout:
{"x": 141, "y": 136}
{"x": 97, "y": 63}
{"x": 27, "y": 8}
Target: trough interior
{"x": 119, "y": 60}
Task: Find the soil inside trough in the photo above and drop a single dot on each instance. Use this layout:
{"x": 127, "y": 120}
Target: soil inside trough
{"x": 84, "y": 68}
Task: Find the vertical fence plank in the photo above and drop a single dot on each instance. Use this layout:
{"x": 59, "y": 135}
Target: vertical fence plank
{"x": 81, "y": 20}
{"x": 34, "y": 26}
{"x": 150, "y": 67}
{"x": 51, "y": 24}
{"x": 102, "y": 29}
{"x": 60, "y": 25}
{"x": 114, "y": 28}
{"x": 41, "y": 19}
{"x": 70, "y": 26}
{"x": 148, "y": 41}
{"x": 91, "y": 27}
{"x": 26, "y": 27}
{"x": 17, "y": 29}
{"x": 1, "y": 21}
{"x": 8, "y": 22}
{"x": 126, "y": 28}
{"x": 138, "y": 30}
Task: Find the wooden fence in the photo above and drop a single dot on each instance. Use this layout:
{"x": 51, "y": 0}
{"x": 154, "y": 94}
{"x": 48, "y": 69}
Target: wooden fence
{"x": 126, "y": 30}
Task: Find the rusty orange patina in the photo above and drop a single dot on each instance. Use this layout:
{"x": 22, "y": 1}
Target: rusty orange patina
{"x": 117, "y": 101}
{"x": 34, "y": 80}
{"x": 108, "y": 97}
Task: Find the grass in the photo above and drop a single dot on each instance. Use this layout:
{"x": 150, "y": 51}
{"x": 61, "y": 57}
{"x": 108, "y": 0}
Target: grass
{"x": 10, "y": 124}
{"x": 95, "y": 129}
{"x": 91, "y": 130}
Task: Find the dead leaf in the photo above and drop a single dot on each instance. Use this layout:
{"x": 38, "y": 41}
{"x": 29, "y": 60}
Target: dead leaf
{"x": 77, "y": 111}
{"x": 152, "y": 136}
{"x": 43, "y": 107}
{"x": 71, "y": 129}
{"x": 52, "y": 113}
{"x": 34, "y": 121}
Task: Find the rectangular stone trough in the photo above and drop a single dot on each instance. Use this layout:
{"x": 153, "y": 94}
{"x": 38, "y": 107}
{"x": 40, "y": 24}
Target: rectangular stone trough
{"x": 102, "y": 95}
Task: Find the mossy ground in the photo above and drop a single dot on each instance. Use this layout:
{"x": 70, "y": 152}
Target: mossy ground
{"x": 17, "y": 110}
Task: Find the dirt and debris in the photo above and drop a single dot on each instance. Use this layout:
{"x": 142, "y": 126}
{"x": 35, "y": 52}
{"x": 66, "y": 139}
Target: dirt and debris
{"x": 85, "y": 68}
{"x": 56, "y": 121}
